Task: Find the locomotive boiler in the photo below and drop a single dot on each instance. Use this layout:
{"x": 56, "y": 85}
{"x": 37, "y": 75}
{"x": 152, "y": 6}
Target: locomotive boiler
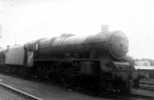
{"x": 116, "y": 44}
{"x": 96, "y": 62}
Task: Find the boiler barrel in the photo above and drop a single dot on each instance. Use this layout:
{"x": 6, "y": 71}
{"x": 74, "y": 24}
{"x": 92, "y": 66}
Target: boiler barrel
{"x": 115, "y": 42}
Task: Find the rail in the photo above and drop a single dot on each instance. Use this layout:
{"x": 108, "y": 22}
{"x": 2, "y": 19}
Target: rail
{"x": 19, "y": 91}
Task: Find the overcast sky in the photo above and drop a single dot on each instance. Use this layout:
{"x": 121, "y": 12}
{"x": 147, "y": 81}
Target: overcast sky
{"x": 25, "y": 20}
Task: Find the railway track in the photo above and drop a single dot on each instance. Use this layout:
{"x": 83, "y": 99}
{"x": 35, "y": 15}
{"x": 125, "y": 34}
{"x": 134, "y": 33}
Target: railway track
{"x": 147, "y": 85}
{"x": 20, "y": 93}
{"x": 56, "y": 94}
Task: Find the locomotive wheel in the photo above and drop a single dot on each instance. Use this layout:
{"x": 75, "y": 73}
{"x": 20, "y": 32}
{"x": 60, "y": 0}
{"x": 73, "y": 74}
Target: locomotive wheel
{"x": 121, "y": 86}
{"x": 42, "y": 71}
{"x": 106, "y": 84}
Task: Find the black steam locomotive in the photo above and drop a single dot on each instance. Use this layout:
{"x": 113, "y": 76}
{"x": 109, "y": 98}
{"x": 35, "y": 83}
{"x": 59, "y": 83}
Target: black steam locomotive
{"x": 96, "y": 62}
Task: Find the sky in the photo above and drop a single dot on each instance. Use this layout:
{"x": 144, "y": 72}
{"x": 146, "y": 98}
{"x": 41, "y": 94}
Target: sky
{"x": 25, "y": 20}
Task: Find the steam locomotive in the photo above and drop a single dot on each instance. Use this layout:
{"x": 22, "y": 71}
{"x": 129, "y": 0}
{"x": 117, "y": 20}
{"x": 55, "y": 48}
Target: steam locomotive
{"x": 97, "y": 62}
